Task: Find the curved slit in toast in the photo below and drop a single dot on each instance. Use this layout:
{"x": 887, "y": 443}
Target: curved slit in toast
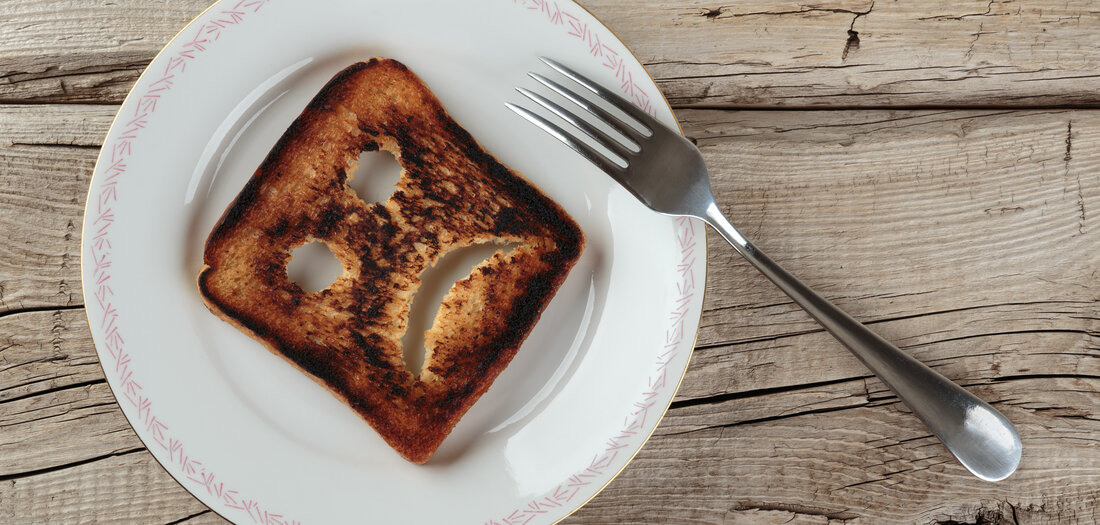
{"x": 451, "y": 194}
{"x": 438, "y": 282}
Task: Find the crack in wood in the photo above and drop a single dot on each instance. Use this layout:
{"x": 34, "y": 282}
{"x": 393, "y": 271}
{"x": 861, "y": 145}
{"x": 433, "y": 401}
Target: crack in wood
{"x": 988, "y": 12}
{"x": 784, "y": 71}
{"x": 46, "y": 102}
{"x": 761, "y": 339}
{"x": 112, "y": 404}
{"x": 1080, "y": 193}
{"x": 861, "y": 124}
{"x": 977, "y": 35}
{"x": 794, "y": 508}
{"x": 718, "y": 12}
{"x": 750, "y": 306}
{"x": 1015, "y": 517}
{"x": 54, "y": 72}
{"x": 976, "y": 307}
{"x": 34, "y": 309}
{"x": 754, "y": 63}
{"x": 733, "y": 396}
{"x": 1084, "y": 332}
{"x": 16, "y": 476}
{"x": 23, "y": 384}
{"x": 860, "y": 483}
{"x": 54, "y": 145}
{"x": 1061, "y": 412}
{"x": 852, "y": 43}
{"x": 895, "y": 443}
{"x": 1001, "y": 512}
{"x": 871, "y": 322}
{"x": 50, "y": 391}
{"x": 712, "y": 13}
{"x": 765, "y": 419}
{"x": 1023, "y": 377}
{"x": 189, "y": 518}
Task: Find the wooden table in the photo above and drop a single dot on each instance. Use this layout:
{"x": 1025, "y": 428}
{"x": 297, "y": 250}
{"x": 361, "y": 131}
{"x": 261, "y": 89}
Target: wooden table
{"x": 930, "y": 166}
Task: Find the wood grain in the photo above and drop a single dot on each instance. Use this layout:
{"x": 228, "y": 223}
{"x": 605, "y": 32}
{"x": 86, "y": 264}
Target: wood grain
{"x": 962, "y": 236}
{"x": 967, "y": 232}
{"x": 46, "y": 158}
{"x": 965, "y": 237}
{"x": 122, "y": 489}
{"x": 865, "y": 53}
{"x": 80, "y": 51}
{"x": 757, "y": 53}
{"x": 958, "y": 234}
{"x": 42, "y": 351}
{"x": 871, "y": 464}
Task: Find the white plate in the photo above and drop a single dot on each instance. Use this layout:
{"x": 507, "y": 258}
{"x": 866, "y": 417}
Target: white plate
{"x": 258, "y": 441}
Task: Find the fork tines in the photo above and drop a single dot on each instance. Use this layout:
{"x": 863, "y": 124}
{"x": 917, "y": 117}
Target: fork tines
{"x": 623, "y": 150}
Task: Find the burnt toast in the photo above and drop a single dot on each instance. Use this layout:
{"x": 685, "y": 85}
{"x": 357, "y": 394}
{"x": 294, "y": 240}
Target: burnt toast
{"x": 451, "y": 194}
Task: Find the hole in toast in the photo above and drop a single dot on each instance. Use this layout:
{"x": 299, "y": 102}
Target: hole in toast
{"x": 375, "y": 176}
{"x": 313, "y": 266}
{"x": 435, "y": 282}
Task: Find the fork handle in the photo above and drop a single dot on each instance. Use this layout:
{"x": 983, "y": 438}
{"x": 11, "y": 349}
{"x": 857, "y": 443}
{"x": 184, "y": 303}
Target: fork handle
{"x": 983, "y": 440}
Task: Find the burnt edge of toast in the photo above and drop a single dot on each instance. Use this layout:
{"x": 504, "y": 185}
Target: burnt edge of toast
{"x": 522, "y": 315}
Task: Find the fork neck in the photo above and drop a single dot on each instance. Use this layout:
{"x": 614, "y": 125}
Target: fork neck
{"x": 718, "y": 221}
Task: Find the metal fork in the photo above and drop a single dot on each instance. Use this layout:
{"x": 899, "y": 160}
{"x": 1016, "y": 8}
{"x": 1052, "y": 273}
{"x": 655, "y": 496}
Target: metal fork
{"x": 667, "y": 173}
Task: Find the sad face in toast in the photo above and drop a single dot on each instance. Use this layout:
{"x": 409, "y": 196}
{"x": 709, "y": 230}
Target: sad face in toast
{"x": 451, "y": 194}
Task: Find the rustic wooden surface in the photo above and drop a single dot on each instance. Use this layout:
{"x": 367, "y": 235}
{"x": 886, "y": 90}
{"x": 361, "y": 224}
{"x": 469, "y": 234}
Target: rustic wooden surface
{"x": 934, "y": 172}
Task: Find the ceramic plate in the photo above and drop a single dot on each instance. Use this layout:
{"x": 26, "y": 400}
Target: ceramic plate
{"x": 257, "y": 440}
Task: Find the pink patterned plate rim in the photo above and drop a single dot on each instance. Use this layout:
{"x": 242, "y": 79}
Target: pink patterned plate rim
{"x": 258, "y": 441}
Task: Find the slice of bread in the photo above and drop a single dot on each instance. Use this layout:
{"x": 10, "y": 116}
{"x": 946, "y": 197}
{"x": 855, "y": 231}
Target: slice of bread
{"x": 451, "y": 194}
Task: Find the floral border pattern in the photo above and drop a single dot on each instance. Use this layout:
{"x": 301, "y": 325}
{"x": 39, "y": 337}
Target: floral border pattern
{"x": 608, "y": 55}
{"x": 115, "y": 156}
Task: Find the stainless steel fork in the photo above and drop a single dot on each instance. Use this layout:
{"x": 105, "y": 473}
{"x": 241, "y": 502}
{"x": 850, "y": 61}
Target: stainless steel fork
{"x": 667, "y": 173}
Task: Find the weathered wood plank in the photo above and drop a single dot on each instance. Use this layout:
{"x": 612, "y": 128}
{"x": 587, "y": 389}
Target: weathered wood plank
{"x": 47, "y": 154}
{"x": 864, "y": 465}
{"x": 122, "y": 489}
{"x": 869, "y": 462}
{"x": 862, "y": 52}
{"x": 83, "y": 51}
{"x": 55, "y": 406}
{"x": 965, "y": 236}
{"x": 854, "y": 444}
{"x": 45, "y": 350}
{"x": 755, "y": 53}
{"x": 62, "y": 427}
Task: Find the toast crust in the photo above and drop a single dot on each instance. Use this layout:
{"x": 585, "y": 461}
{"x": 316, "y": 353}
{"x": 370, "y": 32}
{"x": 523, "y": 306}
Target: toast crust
{"x": 451, "y": 194}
